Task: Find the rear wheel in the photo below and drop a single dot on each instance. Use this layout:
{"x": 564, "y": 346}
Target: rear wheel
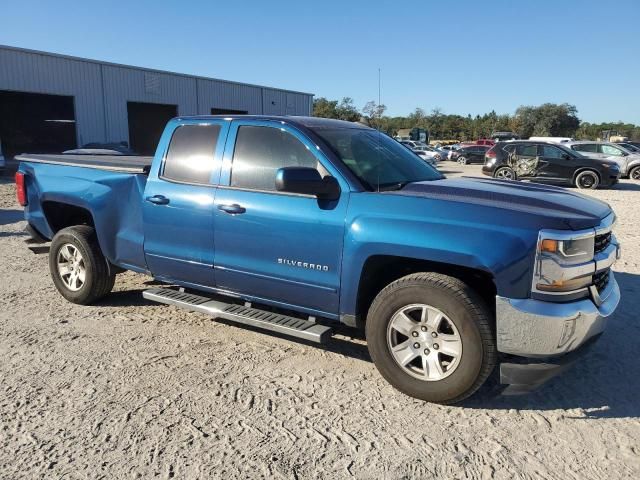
{"x": 78, "y": 268}
{"x": 587, "y": 179}
{"x": 634, "y": 174}
{"x": 505, "y": 173}
{"x": 430, "y": 336}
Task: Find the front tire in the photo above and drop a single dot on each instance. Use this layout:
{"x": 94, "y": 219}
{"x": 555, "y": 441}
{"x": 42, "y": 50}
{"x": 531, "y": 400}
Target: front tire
{"x": 587, "y": 180}
{"x": 430, "y": 337}
{"x": 634, "y": 174}
{"x": 462, "y": 160}
{"x": 78, "y": 267}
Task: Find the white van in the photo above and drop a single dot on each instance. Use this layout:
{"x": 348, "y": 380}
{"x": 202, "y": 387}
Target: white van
{"x": 552, "y": 139}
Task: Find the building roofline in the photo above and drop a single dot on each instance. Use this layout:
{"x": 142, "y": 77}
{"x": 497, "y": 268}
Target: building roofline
{"x": 146, "y": 69}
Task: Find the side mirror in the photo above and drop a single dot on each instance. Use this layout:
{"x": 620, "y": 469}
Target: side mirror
{"x": 307, "y": 181}
{"x": 566, "y": 156}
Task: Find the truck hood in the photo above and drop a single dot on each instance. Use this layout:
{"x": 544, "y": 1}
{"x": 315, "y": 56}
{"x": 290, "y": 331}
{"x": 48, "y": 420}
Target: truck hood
{"x": 555, "y": 207}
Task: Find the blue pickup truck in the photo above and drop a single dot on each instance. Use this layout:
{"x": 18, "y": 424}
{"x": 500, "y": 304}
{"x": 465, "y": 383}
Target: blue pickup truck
{"x": 295, "y": 224}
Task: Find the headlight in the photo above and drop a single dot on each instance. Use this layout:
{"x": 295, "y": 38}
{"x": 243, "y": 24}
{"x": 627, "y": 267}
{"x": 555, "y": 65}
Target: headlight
{"x": 564, "y": 263}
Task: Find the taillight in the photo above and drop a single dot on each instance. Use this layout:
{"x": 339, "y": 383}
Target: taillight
{"x": 491, "y": 153}
{"x": 21, "y": 189}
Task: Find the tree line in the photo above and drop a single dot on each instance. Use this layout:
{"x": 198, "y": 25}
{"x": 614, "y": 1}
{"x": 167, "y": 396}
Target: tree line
{"x": 549, "y": 119}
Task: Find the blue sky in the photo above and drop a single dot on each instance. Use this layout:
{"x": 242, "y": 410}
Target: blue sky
{"x": 464, "y": 57}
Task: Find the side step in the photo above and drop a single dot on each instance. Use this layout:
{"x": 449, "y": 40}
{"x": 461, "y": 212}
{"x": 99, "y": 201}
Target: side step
{"x": 275, "y": 322}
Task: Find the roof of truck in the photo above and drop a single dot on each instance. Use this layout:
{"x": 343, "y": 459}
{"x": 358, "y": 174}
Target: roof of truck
{"x": 314, "y": 122}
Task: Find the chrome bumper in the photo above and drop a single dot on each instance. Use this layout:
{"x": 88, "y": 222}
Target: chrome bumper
{"x": 533, "y": 328}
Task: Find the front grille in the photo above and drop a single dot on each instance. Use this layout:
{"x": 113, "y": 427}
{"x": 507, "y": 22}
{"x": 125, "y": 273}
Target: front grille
{"x": 602, "y": 241}
{"x": 601, "y": 279}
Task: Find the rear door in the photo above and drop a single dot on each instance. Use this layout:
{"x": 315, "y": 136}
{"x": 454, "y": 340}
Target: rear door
{"x": 178, "y": 203}
{"x": 281, "y": 247}
{"x": 524, "y": 160}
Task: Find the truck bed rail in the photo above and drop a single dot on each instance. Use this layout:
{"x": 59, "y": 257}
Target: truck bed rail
{"x": 115, "y": 163}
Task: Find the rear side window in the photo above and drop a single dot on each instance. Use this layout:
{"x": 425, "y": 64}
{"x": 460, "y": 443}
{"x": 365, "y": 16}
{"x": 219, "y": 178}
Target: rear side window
{"x": 527, "y": 150}
{"x": 261, "y": 151}
{"x": 190, "y": 158}
{"x": 585, "y": 147}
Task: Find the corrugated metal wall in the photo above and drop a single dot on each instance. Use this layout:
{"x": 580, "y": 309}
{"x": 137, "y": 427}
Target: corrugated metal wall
{"x": 101, "y": 91}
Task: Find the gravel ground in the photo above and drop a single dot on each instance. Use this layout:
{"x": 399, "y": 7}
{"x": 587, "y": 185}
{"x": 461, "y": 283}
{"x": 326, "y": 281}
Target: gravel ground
{"x": 130, "y": 389}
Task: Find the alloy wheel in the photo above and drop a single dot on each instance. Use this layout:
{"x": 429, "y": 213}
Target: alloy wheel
{"x": 424, "y": 342}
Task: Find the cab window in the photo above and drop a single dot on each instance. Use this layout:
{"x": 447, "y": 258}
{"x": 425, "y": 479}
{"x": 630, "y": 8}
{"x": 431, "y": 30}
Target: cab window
{"x": 190, "y": 158}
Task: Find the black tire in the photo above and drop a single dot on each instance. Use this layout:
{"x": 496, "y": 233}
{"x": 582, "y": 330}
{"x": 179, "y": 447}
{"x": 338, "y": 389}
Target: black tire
{"x": 463, "y": 307}
{"x": 98, "y": 277}
{"x": 587, "y": 180}
{"x": 505, "y": 173}
{"x": 634, "y": 173}
{"x": 462, "y": 160}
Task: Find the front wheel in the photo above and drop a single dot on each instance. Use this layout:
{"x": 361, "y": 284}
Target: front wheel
{"x": 588, "y": 180}
{"x": 462, "y": 160}
{"x": 430, "y": 336}
{"x": 79, "y": 270}
{"x": 634, "y": 174}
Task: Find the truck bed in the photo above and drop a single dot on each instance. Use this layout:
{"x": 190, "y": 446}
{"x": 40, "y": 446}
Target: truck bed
{"x": 114, "y": 163}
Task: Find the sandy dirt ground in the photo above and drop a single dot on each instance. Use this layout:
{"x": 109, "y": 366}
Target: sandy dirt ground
{"x": 130, "y": 389}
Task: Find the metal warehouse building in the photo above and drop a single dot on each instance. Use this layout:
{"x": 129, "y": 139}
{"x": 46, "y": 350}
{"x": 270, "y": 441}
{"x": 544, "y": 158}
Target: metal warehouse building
{"x": 51, "y": 103}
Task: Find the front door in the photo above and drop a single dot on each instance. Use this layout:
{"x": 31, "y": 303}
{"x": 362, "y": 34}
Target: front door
{"x": 555, "y": 164}
{"x": 280, "y": 247}
{"x": 178, "y": 203}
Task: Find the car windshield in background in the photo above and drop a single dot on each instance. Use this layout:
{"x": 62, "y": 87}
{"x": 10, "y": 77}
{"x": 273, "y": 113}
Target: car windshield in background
{"x": 380, "y": 162}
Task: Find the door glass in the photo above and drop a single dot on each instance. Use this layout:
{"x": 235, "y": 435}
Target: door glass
{"x": 259, "y": 153}
{"x": 611, "y": 150}
{"x": 586, "y": 147}
{"x": 190, "y": 158}
{"x": 550, "y": 151}
{"x": 527, "y": 150}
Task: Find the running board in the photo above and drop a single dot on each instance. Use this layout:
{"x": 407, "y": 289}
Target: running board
{"x": 275, "y": 322}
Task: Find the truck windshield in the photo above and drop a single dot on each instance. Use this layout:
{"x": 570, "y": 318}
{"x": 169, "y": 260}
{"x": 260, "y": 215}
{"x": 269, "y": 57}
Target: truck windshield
{"x": 380, "y": 162}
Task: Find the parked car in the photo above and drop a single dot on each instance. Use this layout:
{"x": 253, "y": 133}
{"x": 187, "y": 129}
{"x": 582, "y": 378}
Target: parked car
{"x": 485, "y": 141}
{"x": 469, "y": 154}
{"x": 629, "y": 146}
{"x": 426, "y": 150}
{"x": 627, "y": 160}
{"x": 548, "y": 163}
{"x": 320, "y": 222}
{"x": 3, "y": 162}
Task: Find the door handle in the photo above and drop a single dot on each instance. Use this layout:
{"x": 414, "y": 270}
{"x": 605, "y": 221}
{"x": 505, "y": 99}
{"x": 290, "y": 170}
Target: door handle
{"x": 233, "y": 209}
{"x": 158, "y": 200}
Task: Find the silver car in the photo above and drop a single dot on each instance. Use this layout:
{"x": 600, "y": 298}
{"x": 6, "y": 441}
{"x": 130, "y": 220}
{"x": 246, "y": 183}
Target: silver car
{"x": 627, "y": 160}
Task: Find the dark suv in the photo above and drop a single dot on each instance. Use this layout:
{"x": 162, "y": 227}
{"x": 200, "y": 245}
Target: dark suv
{"x": 469, "y": 154}
{"x": 548, "y": 163}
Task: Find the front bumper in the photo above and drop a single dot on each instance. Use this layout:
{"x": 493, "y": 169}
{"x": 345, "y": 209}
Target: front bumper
{"x": 543, "y": 338}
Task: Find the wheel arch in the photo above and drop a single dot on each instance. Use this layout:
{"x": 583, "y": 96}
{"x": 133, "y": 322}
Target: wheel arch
{"x": 61, "y": 215}
{"x": 380, "y": 270}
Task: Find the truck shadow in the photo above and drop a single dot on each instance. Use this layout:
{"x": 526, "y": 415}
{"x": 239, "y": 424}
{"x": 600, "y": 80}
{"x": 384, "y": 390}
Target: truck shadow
{"x": 8, "y": 217}
{"x": 603, "y": 383}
